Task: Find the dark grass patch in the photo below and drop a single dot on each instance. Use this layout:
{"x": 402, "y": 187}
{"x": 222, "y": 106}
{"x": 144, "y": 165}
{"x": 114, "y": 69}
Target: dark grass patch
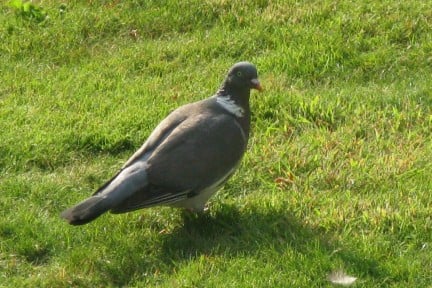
{"x": 97, "y": 144}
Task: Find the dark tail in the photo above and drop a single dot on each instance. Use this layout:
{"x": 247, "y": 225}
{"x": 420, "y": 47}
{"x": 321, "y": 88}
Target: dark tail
{"x": 86, "y": 211}
{"x": 126, "y": 183}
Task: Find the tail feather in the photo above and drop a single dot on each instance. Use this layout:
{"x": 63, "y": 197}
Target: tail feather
{"x": 125, "y": 184}
{"x": 87, "y": 210}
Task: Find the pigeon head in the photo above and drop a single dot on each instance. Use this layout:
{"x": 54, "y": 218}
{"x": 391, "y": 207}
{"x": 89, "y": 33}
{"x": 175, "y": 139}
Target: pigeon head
{"x": 242, "y": 76}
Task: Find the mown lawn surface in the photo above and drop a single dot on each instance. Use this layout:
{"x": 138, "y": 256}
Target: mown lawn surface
{"x": 338, "y": 172}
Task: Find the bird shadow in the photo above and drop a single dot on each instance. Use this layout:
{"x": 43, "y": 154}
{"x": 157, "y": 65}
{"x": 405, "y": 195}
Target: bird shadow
{"x": 229, "y": 231}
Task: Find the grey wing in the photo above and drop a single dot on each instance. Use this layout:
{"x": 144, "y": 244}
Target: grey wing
{"x": 193, "y": 163}
{"x": 177, "y": 169}
{"x": 159, "y": 134}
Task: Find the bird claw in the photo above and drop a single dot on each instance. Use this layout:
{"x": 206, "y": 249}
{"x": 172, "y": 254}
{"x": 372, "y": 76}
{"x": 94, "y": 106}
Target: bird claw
{"x": 190, "y": 213}
{"x": 198, "y": 211}
{"x": 205, "y": 209}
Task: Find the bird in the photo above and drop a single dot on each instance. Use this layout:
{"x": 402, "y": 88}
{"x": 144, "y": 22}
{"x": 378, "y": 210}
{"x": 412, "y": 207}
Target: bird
{"x": 186, "y": 159}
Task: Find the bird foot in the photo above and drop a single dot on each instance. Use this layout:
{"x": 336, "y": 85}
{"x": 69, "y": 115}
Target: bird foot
{"x": 190, "y": 213}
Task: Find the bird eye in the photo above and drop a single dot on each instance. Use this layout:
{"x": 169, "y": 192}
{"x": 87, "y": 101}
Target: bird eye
{"x": 239, "y": 73}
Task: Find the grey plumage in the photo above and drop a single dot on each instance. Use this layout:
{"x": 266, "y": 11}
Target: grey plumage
{"x": 186, "y": 159}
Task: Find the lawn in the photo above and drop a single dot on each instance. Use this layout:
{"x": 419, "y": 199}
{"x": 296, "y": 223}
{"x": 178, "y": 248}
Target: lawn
{"x": 337, "y": 176}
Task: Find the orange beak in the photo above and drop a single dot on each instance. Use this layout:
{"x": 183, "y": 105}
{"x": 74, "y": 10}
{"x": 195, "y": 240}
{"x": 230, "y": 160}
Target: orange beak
{"x": 256, "y": 85}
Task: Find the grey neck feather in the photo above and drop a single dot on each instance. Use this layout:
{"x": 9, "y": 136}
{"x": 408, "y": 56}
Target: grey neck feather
{"x": 234, "y": 100}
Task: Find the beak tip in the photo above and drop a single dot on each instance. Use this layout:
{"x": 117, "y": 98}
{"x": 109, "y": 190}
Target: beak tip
{"x": 257, "y": 85}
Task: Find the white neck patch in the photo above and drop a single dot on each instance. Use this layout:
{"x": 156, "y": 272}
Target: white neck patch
{"x": 228, "y": 104}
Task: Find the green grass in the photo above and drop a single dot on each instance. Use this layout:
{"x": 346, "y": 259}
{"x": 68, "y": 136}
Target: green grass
{"x": 338, "y": 171}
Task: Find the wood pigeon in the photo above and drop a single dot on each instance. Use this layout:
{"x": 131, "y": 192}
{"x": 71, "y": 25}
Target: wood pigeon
{"x": 186, "y": 159}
